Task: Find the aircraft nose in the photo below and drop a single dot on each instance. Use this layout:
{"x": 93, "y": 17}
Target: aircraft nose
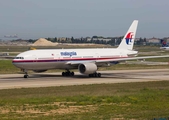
{"x": 15, "y": 63}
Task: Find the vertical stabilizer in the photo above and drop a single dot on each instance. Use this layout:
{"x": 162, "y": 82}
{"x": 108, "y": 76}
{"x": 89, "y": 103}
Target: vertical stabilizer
{"x": 128, "y": 40}
{"x": 164, "y": 43}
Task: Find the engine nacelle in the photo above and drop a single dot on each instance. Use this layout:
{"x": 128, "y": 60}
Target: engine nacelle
{"x": 87, "y": 68}
{"x": 39, "y": 71}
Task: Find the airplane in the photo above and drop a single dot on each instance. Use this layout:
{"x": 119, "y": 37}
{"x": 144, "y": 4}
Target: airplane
{"x": 164, "y": 45}
{"x": 11, "y": 36}
{"x": 87, "y": 61}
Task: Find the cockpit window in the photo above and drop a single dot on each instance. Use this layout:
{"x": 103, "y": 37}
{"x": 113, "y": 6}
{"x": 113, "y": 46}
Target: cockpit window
{"x": 19, "y": 58}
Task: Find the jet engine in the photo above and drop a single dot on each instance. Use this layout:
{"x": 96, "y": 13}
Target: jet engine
{"x": 87, "y": 68}
{"x": 39, "y": 71}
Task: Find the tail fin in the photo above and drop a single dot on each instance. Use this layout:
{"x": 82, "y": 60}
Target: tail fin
{"x": 164, "y": 43}
{"x": 128, "y": 40}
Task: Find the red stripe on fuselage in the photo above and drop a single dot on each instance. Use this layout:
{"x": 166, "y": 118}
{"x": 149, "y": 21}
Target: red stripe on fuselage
{"x": 67, "y": 59}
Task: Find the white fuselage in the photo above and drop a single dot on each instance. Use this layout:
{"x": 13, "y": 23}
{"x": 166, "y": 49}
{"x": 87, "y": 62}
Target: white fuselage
{"x": 58, "y": 58}
{"x": 164, "y": 48}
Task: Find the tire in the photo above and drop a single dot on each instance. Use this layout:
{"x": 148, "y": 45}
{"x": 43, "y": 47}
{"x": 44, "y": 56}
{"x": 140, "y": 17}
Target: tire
{"x": 67, "y": 73}
{"x": 25, "y": 76}
{"x": 95, "y": 75}
{"x": 90, "y": 75}
{"x": 63, "y": 73}
{"x": 72, "y": 73}
{"x": 98, "y": 74}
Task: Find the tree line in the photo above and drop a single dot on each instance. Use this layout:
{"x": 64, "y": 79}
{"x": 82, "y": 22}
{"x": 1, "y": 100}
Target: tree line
{"x": 95, "y": 40}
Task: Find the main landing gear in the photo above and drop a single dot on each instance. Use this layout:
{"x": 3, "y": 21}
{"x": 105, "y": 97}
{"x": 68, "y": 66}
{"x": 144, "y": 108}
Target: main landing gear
{"x": 67, "y": 73}
{"x": 95, "y": 75}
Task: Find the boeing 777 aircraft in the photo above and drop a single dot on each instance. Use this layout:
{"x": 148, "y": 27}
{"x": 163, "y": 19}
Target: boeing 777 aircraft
{"x": 86, "y": 61}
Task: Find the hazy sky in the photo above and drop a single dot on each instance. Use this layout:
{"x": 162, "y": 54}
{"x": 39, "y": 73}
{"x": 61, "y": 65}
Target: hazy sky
{"x": 82, "y": 18}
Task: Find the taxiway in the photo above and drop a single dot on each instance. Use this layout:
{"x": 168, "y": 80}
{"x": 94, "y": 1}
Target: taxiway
{"x": 8, "y": 81}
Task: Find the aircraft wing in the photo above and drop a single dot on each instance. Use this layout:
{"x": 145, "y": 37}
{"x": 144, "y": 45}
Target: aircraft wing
{"x": 116, "y": 59}
{"x": 132, "y": 58}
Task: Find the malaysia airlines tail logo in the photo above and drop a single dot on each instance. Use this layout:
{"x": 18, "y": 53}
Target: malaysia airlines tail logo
{"x": 129, "y": 38}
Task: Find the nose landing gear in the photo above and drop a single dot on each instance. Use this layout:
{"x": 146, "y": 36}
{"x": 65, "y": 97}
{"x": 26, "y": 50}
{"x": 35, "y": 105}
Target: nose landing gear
{"x": 26, "y": 74}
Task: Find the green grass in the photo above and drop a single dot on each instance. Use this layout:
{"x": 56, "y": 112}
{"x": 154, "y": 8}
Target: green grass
{"x": 146, "y": 48}
{"x": 25, "y": 48}
{"x": 87, "y": 102}
{"x": 159, "y": 60}
{"x": 13, "y": 48}
{"x": 6, "y": 67}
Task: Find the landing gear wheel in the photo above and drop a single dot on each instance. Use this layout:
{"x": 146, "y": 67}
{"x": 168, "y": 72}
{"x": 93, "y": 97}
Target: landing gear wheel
{"x": 72, "y": 73}
{"x": 95, "y": 75}
{"x": 90, "y": 75}
{"x": 98, "y": 74}
{"x": 25, "y": 76}
{"x": 63, "y": 73}
{"x": 26, "y": 73}
{"x": 67, "y": 73}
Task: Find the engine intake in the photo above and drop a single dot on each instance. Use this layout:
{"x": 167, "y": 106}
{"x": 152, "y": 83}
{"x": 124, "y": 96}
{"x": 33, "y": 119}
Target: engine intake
{"x": 87, "y": 68}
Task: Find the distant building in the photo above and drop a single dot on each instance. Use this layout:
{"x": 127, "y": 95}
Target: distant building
{"x": 167, "y": 40}
{"x": 153, "y": 40}
{"x": 136, "y": 39}
{"x": 106, "y": 39}
{"x": 101, "y": 38}
{"x": 88, "y": 38}
{"x": 62, "y": 39}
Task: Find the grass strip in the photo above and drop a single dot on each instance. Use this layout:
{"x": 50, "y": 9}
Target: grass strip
{"x": 103, "y": 101}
